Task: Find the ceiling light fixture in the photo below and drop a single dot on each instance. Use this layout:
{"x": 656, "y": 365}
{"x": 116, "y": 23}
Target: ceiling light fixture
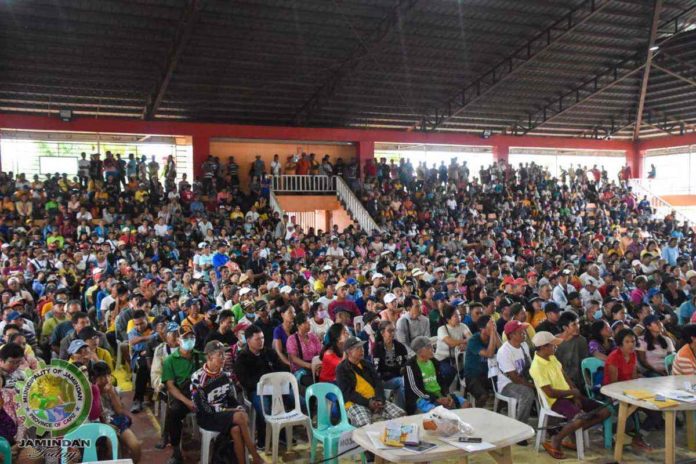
{"x": 65, "y": 115}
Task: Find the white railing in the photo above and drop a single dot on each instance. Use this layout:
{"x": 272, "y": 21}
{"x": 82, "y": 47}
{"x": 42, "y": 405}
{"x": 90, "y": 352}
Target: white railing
{"x": 354, "y": 206}
{"x": 660, "y": 206}
{"x": 669, "y": 186}
{"x": 304, "y": 184}
{"x": 275, "y": 206}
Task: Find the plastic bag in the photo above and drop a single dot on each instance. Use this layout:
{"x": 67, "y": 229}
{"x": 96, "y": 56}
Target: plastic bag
{"x": 446, "y": 423}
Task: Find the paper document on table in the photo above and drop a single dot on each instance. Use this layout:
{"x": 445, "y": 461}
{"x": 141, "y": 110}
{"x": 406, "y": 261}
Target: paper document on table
{"x": 469, "y": 447}
{"x": 639, "y": 394}
{"x": 667, "y": 403}
{"x": 680, "y": 395}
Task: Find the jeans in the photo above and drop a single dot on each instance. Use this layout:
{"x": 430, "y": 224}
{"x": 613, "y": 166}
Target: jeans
{"x": 396, "y": 384}
{"x": 448, "y": 371}
{"x": 423, "y": 406}
{"x": 176, "y": 413}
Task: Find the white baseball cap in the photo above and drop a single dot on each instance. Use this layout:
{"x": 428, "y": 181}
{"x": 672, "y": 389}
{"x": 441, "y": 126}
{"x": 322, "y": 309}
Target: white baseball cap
{"x": 389, "y": 297}
{"x": 377, "y": 275}
{"x": 286, "y": 289}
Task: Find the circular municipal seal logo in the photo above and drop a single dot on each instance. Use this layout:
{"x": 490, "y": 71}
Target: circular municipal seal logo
{"x": 56, "y": 398}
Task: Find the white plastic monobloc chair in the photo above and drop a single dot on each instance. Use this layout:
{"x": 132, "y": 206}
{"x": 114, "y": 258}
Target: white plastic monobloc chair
{"x": 275, "y": 385}
{"x": 207, "y": 436}
{"x": 493, "y": 373}
{"x": 545, "y": 411}
{"x": 459, "y": 361}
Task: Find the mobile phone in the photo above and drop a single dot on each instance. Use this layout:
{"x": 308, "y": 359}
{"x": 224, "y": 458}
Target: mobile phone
{"x": 470, "y": 440}
{"x": 421, "y": 447}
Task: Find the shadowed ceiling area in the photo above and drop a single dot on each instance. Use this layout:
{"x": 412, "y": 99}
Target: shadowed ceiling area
{"x": 582, "y": 68}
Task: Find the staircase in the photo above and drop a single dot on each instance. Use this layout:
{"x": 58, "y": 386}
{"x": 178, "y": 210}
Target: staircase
{"x": 318, "y": 185}
{"x": 660, "y": 207}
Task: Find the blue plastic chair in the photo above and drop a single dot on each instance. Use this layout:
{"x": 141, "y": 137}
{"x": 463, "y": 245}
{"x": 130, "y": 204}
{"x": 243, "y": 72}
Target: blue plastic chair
{"x": 325, "y": 432}
{"x": 589, "y": 368}
{"x": 669, "y": 360}
{"x": 91, "y": 431}
{"x": 5, "y": 451}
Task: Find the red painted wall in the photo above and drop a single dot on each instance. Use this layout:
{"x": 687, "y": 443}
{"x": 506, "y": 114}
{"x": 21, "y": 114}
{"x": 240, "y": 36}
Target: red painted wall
{"x": 365, "y": 139}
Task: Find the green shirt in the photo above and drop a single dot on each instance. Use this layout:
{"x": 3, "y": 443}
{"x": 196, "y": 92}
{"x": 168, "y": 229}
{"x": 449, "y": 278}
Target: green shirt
{"x": 238, "y": 312}
{"x": 434, "y": 316}
{"x": 50, "y": 325}
{"x": 179, "y": 369}
{"x": 430, "y": 378}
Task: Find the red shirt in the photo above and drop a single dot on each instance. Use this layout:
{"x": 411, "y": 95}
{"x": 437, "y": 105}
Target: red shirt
{"x": 328, "y": 367}
{"x": 626, "y": 369}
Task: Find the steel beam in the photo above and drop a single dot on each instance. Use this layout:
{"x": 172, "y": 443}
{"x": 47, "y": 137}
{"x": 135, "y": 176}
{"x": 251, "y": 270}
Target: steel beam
{"x": 598, "y": 83}
{"x": 657, "y": 9}
{"x": 512, "y": 64}
{"x": 364, "y": 48}
{"x": 183, "y": 35}
{"x": 688, "y": 80}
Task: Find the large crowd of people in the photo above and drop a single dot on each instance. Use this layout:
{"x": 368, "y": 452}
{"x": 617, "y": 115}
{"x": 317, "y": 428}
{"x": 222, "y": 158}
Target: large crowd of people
{"x": 201, "y": 288}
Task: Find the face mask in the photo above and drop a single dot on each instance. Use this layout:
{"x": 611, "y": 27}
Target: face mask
{"x": 187, "y": 344}
{"x": 250, "y": 316}
{"x": 598, "y": 314}
{"x": 323, "y": 314}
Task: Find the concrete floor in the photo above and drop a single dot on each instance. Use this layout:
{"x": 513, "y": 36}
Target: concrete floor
{"x": 147, "y": 428}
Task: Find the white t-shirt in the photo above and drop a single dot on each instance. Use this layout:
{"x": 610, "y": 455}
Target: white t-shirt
{"x": 161, "y": 230}
{"x": 442, "y": 350}
{"x": 511, "y": 359}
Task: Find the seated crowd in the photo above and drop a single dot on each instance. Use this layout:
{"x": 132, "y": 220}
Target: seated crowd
{"x": 509, "y": 279}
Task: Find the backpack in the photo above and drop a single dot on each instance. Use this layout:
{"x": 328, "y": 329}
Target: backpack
{"x": 223, "y": 450}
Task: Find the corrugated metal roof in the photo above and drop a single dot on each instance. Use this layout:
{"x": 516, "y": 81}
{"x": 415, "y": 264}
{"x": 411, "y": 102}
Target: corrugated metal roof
{"x": 355, "y": 63}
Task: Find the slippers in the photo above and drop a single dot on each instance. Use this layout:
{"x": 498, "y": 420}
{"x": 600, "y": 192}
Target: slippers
{"x": 553, "y": 452}
{"x": 641, "y": 445}
{"x": 568, "y": 444}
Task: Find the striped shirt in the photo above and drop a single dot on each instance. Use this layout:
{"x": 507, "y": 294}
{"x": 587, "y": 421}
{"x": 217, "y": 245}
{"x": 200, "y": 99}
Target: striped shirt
{"x": 684, "y": 362}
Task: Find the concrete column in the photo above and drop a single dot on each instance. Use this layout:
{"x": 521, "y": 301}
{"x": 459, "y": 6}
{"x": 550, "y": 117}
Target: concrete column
{"x": 201, "y": 151}
{"x": 366, "y": 150}
{"x": 501, "y": 153}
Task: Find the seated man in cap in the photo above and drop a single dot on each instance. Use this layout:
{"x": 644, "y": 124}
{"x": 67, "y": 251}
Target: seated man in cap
{"x": 362, "y": 387}
{"x": 435, "y": 316}
{"x": 561, "y": 394}
{"x": 193, "y": 313}
{"x": 514, "y": 361}
{"x": 217, "y": 408}
{"x": 138, "y": 337}
{"x": 206, "y": 326}
{"x": 425, "y": 386}
{"x": 412, "y": 324}
{"x": 553, "y": 314}
{"x": 176, "y": 375}
{"x": 170, "y": 344}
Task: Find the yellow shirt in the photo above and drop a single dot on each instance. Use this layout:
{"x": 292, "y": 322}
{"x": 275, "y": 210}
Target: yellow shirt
{"x": 105, "y": 356}
{"x": 131, "y": 323}
{"x": 362, "y": 388}
{"x": 549, "y": 373}
{"x": 318, "y": 286}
